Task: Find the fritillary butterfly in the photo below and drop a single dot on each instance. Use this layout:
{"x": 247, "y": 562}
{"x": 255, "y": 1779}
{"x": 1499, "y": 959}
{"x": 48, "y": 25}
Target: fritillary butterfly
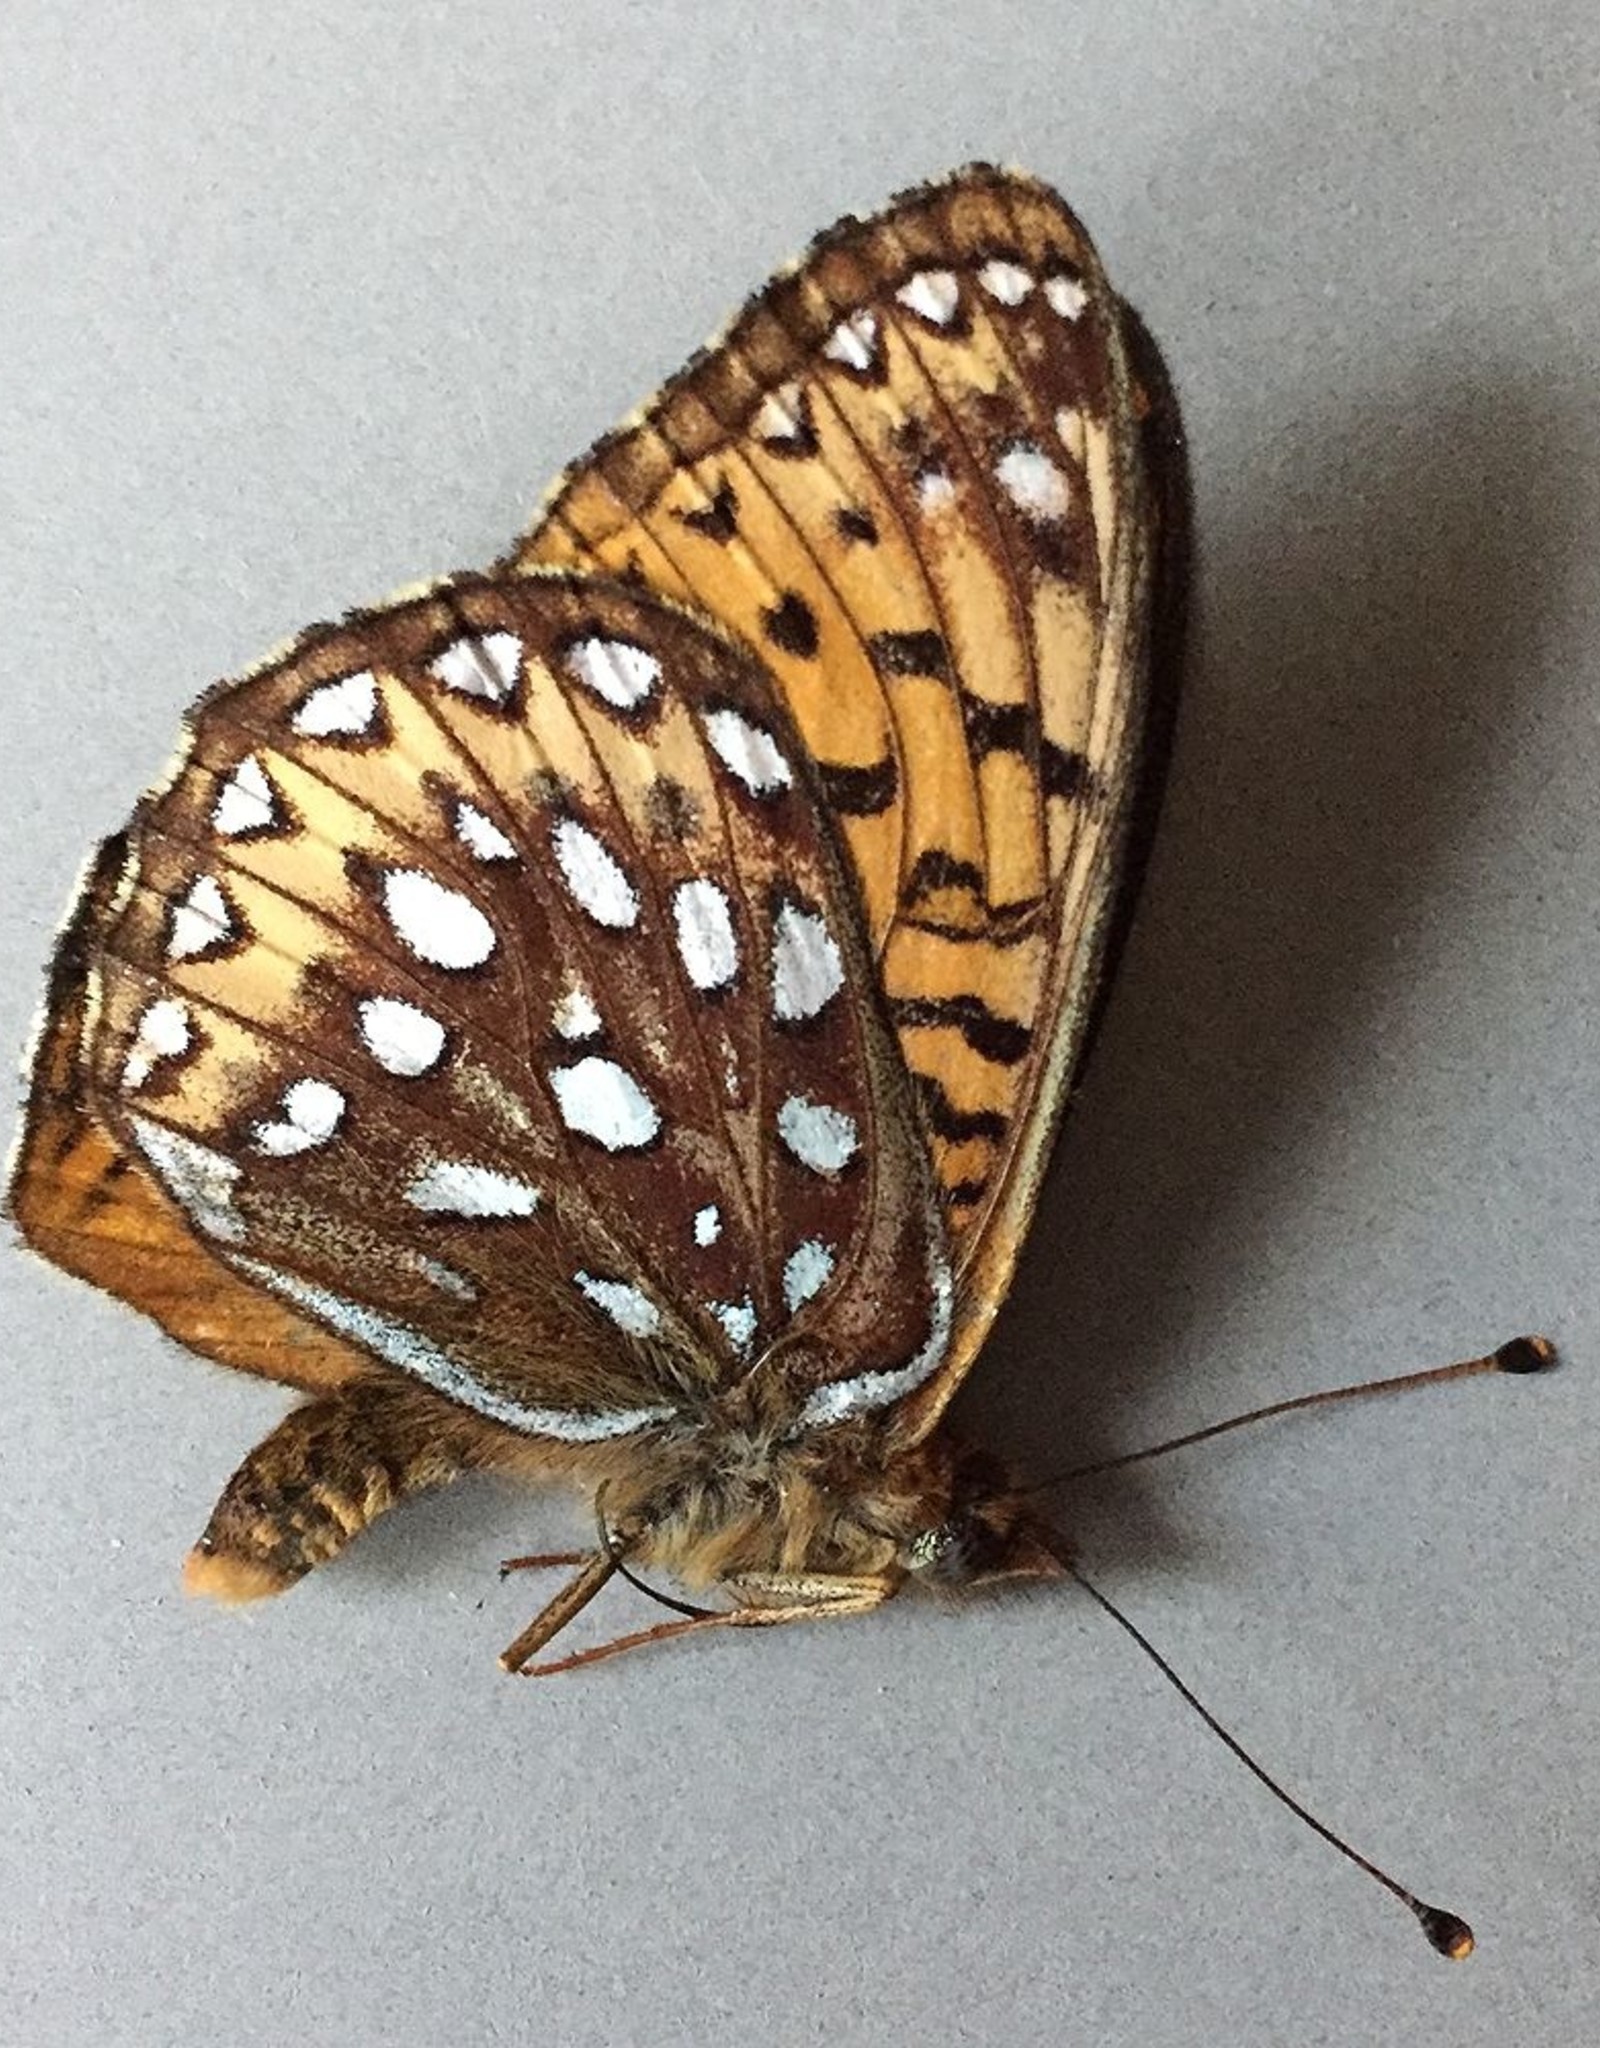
{"x": 607, "y": 1018}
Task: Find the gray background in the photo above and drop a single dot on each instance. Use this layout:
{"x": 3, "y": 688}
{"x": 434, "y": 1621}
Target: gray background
{"x": 292, "y": 312}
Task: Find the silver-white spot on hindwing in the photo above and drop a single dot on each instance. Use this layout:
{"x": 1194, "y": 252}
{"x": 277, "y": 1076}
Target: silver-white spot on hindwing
{"x": 400, "y": 1345}
{"x": 1066, "y": 295}
{"x": 603, "y": 1101}
{"x": 246, "y": 802}
{"x": 439, "y": 925}
{"x": 626, "y": 1305}
{"x": 807, "y": 971}
{"x": 616, "y": 671}
{"x": 738, "y": 1319}
{"x": 1033, "y": 482}
{"x": 163, "y": 1032}
{"x": 707, "y": 944}
{"x": 403, "y": 1039}
{"x": 707, "y": 1224}
{"x": 457, "y": 1187}
{"x": 199, "y": 1179}
{"x": 343, "y": 709}
{"x": 594, "y": 876}
{"x": 202, "y": 921}
{"x": 486, "y": 666}
{"x": 820, "y": 1137}
{"x": 807, "y": 1272}
{"x": 1008, "y": 283}
{"x": 481, "y": 836}
{"x": 840, "y": 1399}
{"x": 311, "y": 1111}
{"x": 854, "y": 342}
{"x": 748, "y": 752}
{"x": 934, "y": 295}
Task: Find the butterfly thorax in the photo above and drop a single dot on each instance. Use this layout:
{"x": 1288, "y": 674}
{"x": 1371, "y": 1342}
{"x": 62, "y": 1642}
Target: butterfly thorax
{"x": 848, "y": 1503}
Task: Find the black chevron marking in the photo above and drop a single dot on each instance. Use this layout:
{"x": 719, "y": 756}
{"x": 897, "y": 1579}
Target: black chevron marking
{"x": 1001, "y": 1039}
{"x": 863, "y": 791}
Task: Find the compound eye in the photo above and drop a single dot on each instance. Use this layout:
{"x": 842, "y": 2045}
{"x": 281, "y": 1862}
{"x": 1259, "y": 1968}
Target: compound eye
{"x": 932, "y": 1548}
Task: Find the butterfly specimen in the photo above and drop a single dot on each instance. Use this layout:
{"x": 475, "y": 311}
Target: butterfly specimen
{"x": 606, "y": 1019}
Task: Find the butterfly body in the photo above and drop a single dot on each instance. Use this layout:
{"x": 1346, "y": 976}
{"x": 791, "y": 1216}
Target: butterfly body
{"x": 606, "y": 1019}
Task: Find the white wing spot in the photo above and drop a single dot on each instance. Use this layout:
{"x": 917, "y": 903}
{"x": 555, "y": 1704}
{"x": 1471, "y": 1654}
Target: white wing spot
{"x": 627, "y": 1307}
{"x": 1007, "y": 282}
{"x": 781, "y": 417}
{"x": 807, "y": 972}
{"x": 838, "y": 1400}
{"x": 481, "y": 836}
{"x": 748, "y": 751}
{"x": 822, "y": 1138}
{"x": 440, "y": 925}
{"x": 707, "y": 943}
{"x": 935, "y": 488}
{"x": 618, "y": 673}
{"x": 200, "y": 1179}
{"x": 738, "y": 1318}
{"x": 485, "y": 666}
{"x": 1066, "y": 295}
{"x": 246, "y": 802}
{"x": 312, "y": 1111}
{"x": 163, "y": 1032}
{"x": 809, "y": 1268}
{"x": 854, "y": 342}
{"x": 603, "y": 1101}
{"x": 455, "y": 1187}
{"x": 201, "y": 921}
{"x": 575, "y": 1015}
{"x": 340, "y": 709}
{"x": 401, "y": 1038}
{"x": 934, "y": 294}
{"x": 400, "y": 1345}
{"x": 1032, "y": 482}
{"x": 594, "y": 877}
{"x": 707, "y": 1224}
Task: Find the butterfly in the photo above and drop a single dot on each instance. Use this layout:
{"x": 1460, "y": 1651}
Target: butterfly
{"x": 606, "y": 1019}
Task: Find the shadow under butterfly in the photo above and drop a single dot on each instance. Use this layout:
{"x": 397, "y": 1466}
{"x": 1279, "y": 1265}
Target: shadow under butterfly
{"x": 607, "y": 1019}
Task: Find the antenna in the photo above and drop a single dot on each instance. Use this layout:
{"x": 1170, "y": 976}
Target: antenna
{"x": 1517, "y": 1355}
{"x": 1447, "y": 1932}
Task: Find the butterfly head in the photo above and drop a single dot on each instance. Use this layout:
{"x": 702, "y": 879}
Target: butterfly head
{"x": 985, "y": 1533}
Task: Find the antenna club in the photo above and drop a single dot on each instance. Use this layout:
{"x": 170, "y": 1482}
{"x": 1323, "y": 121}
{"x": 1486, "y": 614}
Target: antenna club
{"x": 1525, "y": 1354}
{"x": 1447, "y": 1933}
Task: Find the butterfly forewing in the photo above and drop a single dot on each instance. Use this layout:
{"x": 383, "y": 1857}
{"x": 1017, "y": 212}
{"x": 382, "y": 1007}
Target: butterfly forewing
{"x": 484, "y": 987}
{"x": 909, "y": 476}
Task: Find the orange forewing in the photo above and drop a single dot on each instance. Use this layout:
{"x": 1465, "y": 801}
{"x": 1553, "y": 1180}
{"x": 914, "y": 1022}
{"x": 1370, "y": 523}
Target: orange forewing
{"x": 912, "y": 473}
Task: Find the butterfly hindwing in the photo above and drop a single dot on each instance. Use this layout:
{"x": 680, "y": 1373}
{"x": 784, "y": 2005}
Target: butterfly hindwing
{"x": 483, "y": 988}
{"x": 910, "y": 474}
{"x": 80, "y": 1201}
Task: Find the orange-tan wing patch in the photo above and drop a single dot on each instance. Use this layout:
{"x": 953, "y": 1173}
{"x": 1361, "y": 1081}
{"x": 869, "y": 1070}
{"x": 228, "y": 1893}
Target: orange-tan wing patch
{"x": 82, "y": 1203}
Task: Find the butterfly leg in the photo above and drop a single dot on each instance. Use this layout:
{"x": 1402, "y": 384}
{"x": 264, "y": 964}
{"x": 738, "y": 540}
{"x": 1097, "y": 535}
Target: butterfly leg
{"x": 328, "y": 1469}
{"x": 767, "y": 1600}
